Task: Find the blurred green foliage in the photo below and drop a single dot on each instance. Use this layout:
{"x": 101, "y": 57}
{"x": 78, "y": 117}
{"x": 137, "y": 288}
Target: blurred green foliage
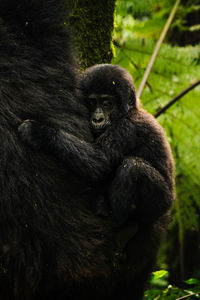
{"x": 138, "y": 25}
{"x": 161, "y": 290}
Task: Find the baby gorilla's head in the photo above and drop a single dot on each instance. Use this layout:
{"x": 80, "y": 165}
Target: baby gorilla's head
{"x": 109, "y": 93}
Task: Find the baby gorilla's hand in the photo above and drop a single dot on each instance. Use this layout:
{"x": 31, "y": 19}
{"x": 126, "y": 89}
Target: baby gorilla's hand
{"x": 34, "y": 134}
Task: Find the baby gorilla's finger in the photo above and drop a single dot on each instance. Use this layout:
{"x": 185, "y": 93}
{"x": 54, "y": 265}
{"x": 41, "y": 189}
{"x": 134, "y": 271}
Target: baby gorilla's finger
{"x": 25, "y": 129}
{"x": 30, "y": 133}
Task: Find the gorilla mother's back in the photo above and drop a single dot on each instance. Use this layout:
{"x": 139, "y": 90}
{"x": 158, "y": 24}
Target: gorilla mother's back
{"x": 48, "y": 237}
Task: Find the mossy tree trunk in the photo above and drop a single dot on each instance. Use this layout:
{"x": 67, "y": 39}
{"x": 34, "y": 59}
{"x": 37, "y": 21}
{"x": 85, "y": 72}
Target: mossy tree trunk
{"x": 92, "y": 22}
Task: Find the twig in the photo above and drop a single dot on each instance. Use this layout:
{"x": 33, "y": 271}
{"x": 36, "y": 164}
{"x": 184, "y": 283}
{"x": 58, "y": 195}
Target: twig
{"x": 175, "y": 99}
{"x": 187, "y": 296}
{"x": 157, "y": 48}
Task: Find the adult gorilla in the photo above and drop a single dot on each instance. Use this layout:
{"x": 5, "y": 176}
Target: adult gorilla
{"x": 48, "y": 236}
{"x": 51, "y": 244}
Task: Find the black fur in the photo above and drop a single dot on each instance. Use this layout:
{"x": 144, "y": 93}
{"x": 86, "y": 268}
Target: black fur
{"x": 135, "y": 145}
{"x": 51, "y": 244}
{"x": 134, "y": 149}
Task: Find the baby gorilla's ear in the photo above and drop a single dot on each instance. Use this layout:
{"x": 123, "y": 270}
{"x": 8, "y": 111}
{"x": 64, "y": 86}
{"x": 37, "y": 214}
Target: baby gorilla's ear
{"x": 132, "y": 99}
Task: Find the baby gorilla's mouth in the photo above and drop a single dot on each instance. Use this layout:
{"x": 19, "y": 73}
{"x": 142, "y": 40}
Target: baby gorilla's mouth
{"x": 99, "y": 127}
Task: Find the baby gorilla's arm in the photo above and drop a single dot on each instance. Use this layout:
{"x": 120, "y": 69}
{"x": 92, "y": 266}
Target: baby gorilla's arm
{"x": 81, "y": 157}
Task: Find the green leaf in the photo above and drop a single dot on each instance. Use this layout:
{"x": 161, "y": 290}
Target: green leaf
{"x": 158, "y": 275}
{"x": 192, "y": 281}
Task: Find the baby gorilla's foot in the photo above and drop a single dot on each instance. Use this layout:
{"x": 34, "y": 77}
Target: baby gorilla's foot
{"x": 32, "y": 133}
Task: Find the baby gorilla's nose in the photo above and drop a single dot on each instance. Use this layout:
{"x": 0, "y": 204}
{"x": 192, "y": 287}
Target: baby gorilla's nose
{"x": 98, "y": 120}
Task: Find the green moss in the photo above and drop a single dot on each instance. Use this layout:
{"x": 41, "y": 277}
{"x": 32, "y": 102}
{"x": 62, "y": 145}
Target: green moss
{"x": 92, "y": 23}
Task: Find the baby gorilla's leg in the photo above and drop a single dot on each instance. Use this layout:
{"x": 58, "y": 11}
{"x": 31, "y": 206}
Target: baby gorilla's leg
{"x": 138, "y": 190}
{"x": 122, "y": 192}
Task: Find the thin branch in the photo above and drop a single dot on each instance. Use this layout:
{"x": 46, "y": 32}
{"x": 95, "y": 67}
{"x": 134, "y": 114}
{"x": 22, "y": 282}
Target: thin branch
{"x": 174, "y": 100}
{"x": 157, "y": 48}
{"x": 187, "y": 296}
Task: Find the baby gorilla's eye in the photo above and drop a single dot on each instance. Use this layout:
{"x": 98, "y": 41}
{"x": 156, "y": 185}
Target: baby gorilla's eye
{"x": 108, "y": 104}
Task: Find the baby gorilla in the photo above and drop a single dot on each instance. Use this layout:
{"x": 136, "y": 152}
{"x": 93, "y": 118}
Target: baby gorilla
{"x": 130, "y": 154}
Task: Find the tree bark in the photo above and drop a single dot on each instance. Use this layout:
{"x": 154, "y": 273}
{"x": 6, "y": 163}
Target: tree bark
{"x": 92, "y": 23}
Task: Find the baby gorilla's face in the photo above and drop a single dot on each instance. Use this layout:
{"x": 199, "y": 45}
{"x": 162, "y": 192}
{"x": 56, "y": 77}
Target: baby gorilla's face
{"x": 101, "y": 108}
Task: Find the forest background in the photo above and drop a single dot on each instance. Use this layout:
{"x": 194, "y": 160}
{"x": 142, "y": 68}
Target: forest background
{"x": 125, "y": 32}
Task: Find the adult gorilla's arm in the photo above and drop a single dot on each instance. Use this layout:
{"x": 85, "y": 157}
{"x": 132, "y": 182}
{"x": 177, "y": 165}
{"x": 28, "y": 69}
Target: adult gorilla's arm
{"x": 83, "y": 158}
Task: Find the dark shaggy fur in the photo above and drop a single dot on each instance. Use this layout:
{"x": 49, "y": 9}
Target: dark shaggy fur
{"x": 135, "y": 146}
{"x": 51, "y": 245}
{"x": 133, "y": 149}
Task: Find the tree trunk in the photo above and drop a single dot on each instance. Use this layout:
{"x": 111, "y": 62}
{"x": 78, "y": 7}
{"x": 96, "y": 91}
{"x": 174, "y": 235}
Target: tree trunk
{"x": 92, "y": 23}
